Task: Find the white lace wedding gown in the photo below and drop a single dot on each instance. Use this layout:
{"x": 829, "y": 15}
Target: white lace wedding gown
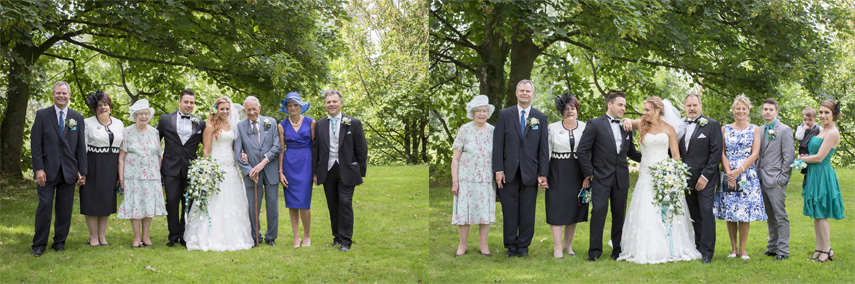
{"x": 644, "y": 239}
{"x": 229, "y": 211}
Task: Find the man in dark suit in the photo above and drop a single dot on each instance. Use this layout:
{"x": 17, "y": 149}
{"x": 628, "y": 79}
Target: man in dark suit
{"x": 603, "y": 150}
{"x": 700, "y": 148}
{"x": 339, "y": 162}
{"x": 181, "y": 132}
{"x": 58, "y": 146}
{"x": 521, "y": 163}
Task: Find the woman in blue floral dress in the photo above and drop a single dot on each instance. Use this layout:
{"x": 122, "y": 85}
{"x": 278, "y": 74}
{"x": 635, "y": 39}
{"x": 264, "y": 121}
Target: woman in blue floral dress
{"x": 741, "y": 202}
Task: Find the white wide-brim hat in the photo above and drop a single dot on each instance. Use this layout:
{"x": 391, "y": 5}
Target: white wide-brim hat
{"x": 138, "y": 106}
{"x": 479, "y": 100}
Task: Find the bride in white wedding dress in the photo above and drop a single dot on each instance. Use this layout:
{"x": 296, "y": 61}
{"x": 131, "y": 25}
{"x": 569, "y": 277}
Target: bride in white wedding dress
{"x": 227, "y": 227}
{"x": 644, "y": 235}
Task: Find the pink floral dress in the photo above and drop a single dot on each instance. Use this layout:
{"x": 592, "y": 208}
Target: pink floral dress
{"x": 143, "y": 191}
{"x": 475, "y": 202}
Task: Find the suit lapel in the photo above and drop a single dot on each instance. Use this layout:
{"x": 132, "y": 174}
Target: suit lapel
{"x": 325, "y": 133}
{"x": 341, "y": 131}
{"x": 608, "y": 123}
{"x": 516, "y": 121}
{"x": 55, "y": 120}
{"x": 694, "y": 137}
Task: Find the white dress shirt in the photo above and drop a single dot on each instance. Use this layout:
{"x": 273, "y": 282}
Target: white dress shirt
{"x": 334, "y": 140}
{"x": 184, "y": 127}
{"x": 519, "y": 112}
{"x": 616, "y": 133}
{"x": 57, "y": 110}
{"x": 690, "y": 129}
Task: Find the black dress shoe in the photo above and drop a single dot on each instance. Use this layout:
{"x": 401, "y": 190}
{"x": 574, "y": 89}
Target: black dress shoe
{"x": 615, "y": 256}
{"x": 334, "y": 243}
{"x": 270, "y": 243}
{"x": 707, "y": 260}
{"x": 522, "y": 254}
{"x": 510, "y": 254}
{"x": 781, "y": 257}
{"x": 170, "y": 244}
{"x": 58, "y": 247}
{"x": 182, "y": 242}
{"x": 344, "y": 248}
{"x": 592, "y": 258}
{"x": 37, "y": 252}
{"x": 769, "y": 253}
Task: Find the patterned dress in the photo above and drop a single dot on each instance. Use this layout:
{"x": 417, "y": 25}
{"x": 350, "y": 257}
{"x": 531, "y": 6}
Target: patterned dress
{"x": 747, "y": 204}
{"x": 821, "y": 191}
{"x": 475, "y": 202}
{"x": 143, "y": 190}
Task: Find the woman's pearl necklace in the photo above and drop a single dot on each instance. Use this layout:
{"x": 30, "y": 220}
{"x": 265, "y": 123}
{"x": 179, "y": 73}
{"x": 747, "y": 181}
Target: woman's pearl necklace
{"x": 296, "y": 124}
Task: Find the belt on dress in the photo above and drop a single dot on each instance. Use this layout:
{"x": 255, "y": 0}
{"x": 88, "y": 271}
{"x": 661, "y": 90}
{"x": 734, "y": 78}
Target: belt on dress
{"x": 296, "y": 146}
{"x": 564, "y": 156}
{"x": 101, "y": 150}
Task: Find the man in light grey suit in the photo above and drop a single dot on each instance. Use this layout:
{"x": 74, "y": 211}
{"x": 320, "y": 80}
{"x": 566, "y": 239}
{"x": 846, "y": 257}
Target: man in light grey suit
{"x": 258, "y": 138}
{"x": 777, "y": 151}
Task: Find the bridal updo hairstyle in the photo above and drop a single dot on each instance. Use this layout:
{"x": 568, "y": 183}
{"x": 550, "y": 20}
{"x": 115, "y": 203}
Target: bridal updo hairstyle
{"x": 834, "y": 107}
{"x": 657, "y": 105}
{"x": 94, "y": 99}
{"x": 214, "y": 118}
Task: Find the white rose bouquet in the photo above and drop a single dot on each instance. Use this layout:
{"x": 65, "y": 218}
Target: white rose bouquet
{"x": 204, "y": 177}
{"x": 669, "y": 183}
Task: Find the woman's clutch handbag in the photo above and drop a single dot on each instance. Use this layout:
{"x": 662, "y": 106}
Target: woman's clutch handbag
{"x": 724, "y": 186}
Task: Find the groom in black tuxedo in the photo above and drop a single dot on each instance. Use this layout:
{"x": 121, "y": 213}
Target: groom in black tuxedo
{"x": 700, "y": 148}
{"x": 521, "y": 163}
{"x": 339, "y": 162}
{"x": 603, "y": 150}
{"x": 58, "y": 146}
{"x": 181, "y": 132}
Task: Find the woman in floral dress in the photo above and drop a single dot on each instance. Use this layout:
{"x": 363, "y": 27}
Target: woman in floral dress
{"x": 139, "y": 173}
{"x": 471, "y": 175}
{"x": 741, "y": 202}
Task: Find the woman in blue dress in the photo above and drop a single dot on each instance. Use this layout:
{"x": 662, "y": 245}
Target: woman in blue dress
{"x": 821, "y": 191}
{"x": 295, "y": 135}
{"x": 742, "y": 202}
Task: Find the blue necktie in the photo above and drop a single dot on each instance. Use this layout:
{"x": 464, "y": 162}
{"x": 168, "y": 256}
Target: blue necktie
{"x": 522, "y": 123}
{"x": 61, "y": 123}
{"x": 334, "y": 125}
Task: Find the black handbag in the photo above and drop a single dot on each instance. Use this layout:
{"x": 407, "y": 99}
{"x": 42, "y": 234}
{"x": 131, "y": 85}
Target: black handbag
{"x": 724, "y": 186}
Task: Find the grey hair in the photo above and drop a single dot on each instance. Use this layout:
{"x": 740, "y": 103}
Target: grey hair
{"x": 251, "y": 99}
{"x": 692, "y": 95}
{"x": 60, "y": 83}
{"x": 524, "y": 82}
{"x": 333, "y": 92}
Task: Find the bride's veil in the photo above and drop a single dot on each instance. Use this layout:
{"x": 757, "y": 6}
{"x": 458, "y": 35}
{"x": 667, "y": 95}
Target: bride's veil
{"x": 671, "y": 115}
{"x": 236, "y": 114}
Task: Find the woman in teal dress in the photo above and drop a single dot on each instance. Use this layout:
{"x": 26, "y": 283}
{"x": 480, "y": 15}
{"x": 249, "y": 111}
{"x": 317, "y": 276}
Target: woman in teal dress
{"x": 821, "y": 192}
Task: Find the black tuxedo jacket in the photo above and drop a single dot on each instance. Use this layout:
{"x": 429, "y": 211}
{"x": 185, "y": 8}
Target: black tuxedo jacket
{"x": 51, "y": 152}
{"x": 529, "y": 152}
{"x": 598, "y": 156}
{"x": 177, "y": 156}
{"x": 352, "y": 151}
{"x": 704, "y": 154}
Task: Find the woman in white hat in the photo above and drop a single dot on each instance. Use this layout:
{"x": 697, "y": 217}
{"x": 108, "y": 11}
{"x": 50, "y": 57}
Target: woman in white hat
{"x": 139, "y": 173}
{"x": 471, "y": 174}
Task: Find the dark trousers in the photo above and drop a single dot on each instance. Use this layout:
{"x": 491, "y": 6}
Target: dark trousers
{"x": 175, "y": 186}
{"x": 269, "y": 194}
{"x": 601, "y": 195}
{"x": 700, "y": 205}
{"x": 518, "y": 209}
{"x": 64, "y": 194}
{"x": 340, "y": 203}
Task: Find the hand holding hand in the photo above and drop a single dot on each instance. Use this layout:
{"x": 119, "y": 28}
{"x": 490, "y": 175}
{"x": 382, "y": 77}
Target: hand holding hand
{"x": 41, "y": 178}
{"x": 541, "y": 181}
{"x": 454, "y": 188}
{"x": 81, "y": 180}
{"x": 121, "y": 183}
{"x": 315, "y": 179}
{"x": 244, "y": 158}
{"x": 500, "y": 179}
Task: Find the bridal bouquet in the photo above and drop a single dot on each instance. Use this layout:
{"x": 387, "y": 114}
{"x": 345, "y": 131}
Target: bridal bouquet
{"x": 204, "y": 176}
{"x": 669, "y": 182}
{"x": 798, "y": 164}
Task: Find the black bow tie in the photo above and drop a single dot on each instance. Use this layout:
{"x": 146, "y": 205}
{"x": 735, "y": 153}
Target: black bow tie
{"x": 185, "y": 116}
{"x": 691, "y": 121}
{"x": 615, "y": 121}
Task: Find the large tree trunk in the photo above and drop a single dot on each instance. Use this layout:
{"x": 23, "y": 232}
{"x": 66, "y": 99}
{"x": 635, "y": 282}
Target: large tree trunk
{"x": 12, "y": 129}
{"x": 523, "y": 55}
{"x": 494, "y": 53}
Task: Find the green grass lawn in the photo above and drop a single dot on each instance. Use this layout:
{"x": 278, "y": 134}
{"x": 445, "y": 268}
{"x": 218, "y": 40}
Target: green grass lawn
{"x": 541, "y": 267}
{"x": 390, "y": 243}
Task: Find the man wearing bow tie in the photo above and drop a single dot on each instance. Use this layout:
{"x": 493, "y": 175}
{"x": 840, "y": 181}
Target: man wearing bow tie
{"x": 603, "y": 150}
{"x": 700, "y": 149}
{"x": 181, "y": 132}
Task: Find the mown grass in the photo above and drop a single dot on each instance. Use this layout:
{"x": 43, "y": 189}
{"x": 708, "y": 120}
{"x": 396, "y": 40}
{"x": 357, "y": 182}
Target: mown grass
{"x": 390, "y": 243}
{"x": 541, "y": 267}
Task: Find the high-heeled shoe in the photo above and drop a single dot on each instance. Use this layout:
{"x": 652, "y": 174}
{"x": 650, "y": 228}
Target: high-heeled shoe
{"x": 90, "y": 243}
{"x": 817, "y": 256}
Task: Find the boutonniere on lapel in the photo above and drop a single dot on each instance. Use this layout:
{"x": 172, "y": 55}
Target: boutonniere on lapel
{"x": 266, "y": 123}
{"x": 703, "y": 121}
{"x": 345, "y": 121}
{"x": 533, "y": 123}
{"x": 194, "y": 120}
{"x": 772, "y": 134}
{"x": 71, "y": 123}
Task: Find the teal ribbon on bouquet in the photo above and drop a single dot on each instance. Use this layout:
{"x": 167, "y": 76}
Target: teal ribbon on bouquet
{"x": 663, "y": 212}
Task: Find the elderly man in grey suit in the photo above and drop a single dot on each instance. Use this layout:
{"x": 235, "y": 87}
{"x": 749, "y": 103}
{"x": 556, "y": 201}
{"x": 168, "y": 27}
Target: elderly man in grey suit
{"x": 777, "y": 151}
{"x": 258, "y": 138}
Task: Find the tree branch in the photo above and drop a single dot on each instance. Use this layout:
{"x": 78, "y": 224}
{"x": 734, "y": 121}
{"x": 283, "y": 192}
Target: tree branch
{"x": 444, "y": 126}
{"x": 464, "y": 41}
{"x": 449, "y": 59}
{"x": 594, "y": 69}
